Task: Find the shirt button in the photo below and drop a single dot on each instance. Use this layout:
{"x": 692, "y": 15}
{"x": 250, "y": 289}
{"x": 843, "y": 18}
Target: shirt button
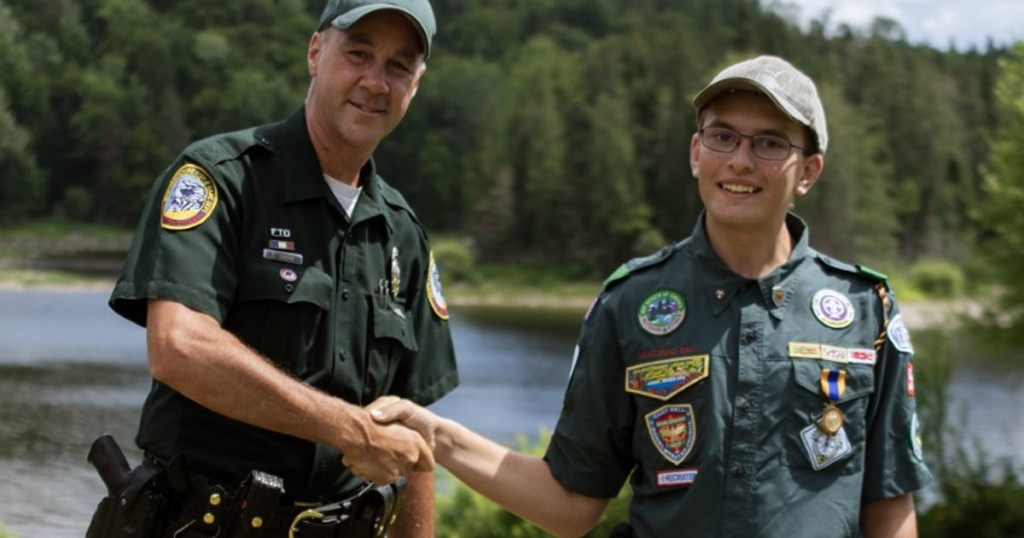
{"x": 345, "y": 295}
{"x": 738, "y": 472}
{"x": 288, "y": 288}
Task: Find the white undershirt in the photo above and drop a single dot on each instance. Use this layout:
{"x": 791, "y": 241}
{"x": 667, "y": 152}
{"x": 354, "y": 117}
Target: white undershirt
{"x": 346, "y": 194}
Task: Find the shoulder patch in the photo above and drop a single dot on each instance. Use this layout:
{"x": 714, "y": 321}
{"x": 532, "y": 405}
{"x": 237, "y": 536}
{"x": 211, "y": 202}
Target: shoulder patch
{"x": 635, "y": 264}
{"x": 434, "y": 295}
{"x": 190, "y": 198}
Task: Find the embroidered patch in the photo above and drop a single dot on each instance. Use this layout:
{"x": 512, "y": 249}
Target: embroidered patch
{"x": 824, "y": 449}
{"x": 863, "y": 356}
{"x": 590, "y": 311}
{"x": 910, "y": 379}
{"x": 835, "y": 354}
{"x": 899, "y": 336}
{"x": 434, "y": 295}
{"x": 832, "y": 308}
{"x": 189, "y": 200}
{"x": 673, "y": 431}
{"x": 282, "y": 245}
{"x": 662, "y": 312}
{"x": 664, "y": 379}
{"x": 804, "y": 350}
{"x": 676, "y": 478}
{"x": 288, "y": 274}
{"x": 282, "y": 256}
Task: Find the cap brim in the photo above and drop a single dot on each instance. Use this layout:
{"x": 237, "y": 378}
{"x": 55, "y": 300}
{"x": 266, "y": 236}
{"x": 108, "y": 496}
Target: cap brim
{"x": 729, "y": 84}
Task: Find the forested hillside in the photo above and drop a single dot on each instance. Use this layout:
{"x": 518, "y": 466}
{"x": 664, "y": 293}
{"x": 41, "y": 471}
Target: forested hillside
{"x": 544, "y": 130}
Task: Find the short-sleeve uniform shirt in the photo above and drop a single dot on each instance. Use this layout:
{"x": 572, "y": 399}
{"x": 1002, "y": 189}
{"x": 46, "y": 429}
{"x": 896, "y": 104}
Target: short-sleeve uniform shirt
{"x": 243, "y": 227}
{"x": 709, "y": 391}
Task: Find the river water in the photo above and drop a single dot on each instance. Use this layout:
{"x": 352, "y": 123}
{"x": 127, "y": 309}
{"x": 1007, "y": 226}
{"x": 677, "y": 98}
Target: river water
{"x": 71, "y": 370}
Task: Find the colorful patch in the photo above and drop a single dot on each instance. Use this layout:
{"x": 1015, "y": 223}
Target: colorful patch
{"x": 910, "y": 379}
{"x": 915, "y": 438}
{"x": 832, "y": 309}
{"x": 664, "y": 379}
{"x": 436, "y": 298}
{"x": 676, "y": 478}
{"x": 282, "y": 245}
{"x": 778, "y": 296}
{"x": 899, "y": 336}
{"x": 863, "y": 356}
{"x": 662, "y": 312}
{"x": 189, "y": 200}
{"x": 835, "y": 354}
{"x": 804, "y": 350}
{"x": 824, "y": 449}
{"x": 288, "y": 274}
{"x": 673, "y": 431}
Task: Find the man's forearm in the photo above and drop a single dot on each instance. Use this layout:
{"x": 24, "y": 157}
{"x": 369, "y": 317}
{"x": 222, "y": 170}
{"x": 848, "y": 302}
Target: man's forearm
{"x": 416, "y": 512}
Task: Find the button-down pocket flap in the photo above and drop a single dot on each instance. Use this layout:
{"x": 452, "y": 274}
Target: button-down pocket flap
{"x": 392, "y": 323}
{"x": 859, "y": 378}
{"x": 287, "y": 285}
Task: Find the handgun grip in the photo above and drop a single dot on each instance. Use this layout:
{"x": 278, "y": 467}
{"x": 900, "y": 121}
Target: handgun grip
{"x": 108, "y": 459}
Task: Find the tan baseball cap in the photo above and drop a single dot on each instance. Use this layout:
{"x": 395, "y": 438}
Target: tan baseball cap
{"x": 791, "y": 90}
{"x": 342, "y": 14}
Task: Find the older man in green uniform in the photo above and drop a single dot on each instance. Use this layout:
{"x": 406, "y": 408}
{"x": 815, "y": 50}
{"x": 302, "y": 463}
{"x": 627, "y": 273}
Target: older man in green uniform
{"x": 284, "y": 285}
{"x": 744, "y": 383}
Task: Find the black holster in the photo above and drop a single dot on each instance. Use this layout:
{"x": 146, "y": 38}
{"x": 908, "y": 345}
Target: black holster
{"x": 135, "y": 497}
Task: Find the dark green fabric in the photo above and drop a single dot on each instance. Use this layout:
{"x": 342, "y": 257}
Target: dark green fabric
{"x": 753, "y": 474}
{"x": 322, "y": 324}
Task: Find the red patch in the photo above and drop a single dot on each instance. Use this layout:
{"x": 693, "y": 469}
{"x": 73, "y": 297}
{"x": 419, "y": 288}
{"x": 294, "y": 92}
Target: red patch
{"x": 910, "y": 379}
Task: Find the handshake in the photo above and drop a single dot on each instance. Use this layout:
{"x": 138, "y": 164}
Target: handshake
{"x": 401, "y": 439}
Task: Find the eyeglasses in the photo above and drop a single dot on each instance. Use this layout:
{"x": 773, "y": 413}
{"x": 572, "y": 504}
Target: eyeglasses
{"x": 765, "y": 146}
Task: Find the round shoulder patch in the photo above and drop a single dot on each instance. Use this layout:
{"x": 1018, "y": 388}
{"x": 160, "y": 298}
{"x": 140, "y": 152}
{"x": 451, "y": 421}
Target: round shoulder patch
{"x": 662, "y": 312}
{"x": 189, "y": 200}
{"x": 436, "y": 298}
{"x": 832, "y": 309}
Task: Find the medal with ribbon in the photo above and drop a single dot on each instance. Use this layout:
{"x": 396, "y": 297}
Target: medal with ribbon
{"x": 833, "y": 384}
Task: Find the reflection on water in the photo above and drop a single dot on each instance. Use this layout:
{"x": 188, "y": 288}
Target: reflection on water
{"x": 71, "y": 370}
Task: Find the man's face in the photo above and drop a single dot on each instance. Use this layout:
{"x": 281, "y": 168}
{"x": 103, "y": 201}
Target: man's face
{"x": 740, "y": 190}
{"x": 364, "y": 78}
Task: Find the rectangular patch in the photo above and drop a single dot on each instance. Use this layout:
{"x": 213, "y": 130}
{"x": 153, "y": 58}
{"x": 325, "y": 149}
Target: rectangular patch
{"x": 835, "y": 354}
{"x": 863, "y": 356}
{"x": 282, "y": 245}
{"x": 910, "y": 379}
{"x": 804, "y": 350}
{"x": 676, "y": 478}
{"x": 283, "y": 257}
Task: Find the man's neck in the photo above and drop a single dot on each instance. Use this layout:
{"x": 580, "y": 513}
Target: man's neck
{"x": 751, "y": 253}
{"x": 341, "y": 161}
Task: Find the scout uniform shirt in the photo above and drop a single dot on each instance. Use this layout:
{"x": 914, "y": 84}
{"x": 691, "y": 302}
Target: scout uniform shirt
{"x": 244, "y": 228}
{"x": 711, "y": 389}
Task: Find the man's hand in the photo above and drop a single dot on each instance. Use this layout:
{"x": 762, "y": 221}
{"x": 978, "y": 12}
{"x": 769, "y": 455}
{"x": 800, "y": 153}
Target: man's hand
{"x": 390, "y": 409}
{"x": 388, "y": 452}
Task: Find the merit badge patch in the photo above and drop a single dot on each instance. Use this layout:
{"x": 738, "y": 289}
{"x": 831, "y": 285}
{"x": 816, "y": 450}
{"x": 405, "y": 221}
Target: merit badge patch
{"x": 189, "y": 200}
{"x": 676, "y": 478}
{"x": 664, "y": 379}
{"x": 673, "y": 431}
{"x": 662, "y": 312}
{"x": 824, "y": 449}
{"x": 899, "y": 336}
{"x": 832, "y": 309}
{"x": 915, "y": 438}
{"x": 434, "y": 295}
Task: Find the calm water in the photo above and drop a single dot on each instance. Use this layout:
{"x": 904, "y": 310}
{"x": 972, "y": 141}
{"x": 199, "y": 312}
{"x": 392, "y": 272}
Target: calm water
{"x": 70, "y": 370}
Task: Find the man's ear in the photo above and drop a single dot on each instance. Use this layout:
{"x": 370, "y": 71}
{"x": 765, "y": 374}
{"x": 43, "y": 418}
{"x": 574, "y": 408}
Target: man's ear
{"x": 313, "y": 52}
{"x": 813, "y": 166}
{"x": 694, "y": 153}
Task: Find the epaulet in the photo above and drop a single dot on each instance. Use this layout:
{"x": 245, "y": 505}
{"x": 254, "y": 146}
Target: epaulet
{"x": 637, "y": 264}
{"x": 227, "y": 146}
{"x": 855, "y": 269}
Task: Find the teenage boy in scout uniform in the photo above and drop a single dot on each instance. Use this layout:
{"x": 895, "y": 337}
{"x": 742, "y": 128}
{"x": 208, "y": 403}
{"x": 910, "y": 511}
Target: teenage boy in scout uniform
{"x": 745, "y": 384}
{"x": 284, "y": 285}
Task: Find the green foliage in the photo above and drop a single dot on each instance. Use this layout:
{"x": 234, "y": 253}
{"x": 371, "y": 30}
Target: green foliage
{"x": 464, "y": 513}
{"x": 4, "y": 533}
{"x": 974, "y": 505}
{"x": 937, "y": 279}
{"x": 455, "y": 260}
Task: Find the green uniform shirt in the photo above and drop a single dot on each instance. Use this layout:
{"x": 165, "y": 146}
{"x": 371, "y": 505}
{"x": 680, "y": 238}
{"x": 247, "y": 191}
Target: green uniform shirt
{"x": 244, "y": 228}
{"x": 707, "y": 387}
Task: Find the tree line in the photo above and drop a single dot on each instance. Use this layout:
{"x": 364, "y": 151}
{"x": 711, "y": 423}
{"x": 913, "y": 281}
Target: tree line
{"x": 545, "y": 131}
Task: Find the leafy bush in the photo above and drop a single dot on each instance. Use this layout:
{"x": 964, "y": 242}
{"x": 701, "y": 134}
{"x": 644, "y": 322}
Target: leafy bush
{"x": 974, "y": 506}
{"x": 455, "y": 260}
{"x": 938, "y": 279}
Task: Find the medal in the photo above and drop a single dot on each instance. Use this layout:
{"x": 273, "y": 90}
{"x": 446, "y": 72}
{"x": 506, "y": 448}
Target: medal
{"x": 833, "y": 385}
{"x": 831, "y": 419}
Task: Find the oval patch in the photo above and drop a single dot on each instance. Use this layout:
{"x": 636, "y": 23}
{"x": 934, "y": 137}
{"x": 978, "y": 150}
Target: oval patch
{"x": 832, "y": 309}
{"x": 189, "y": 200}
{"x": 662, "y": 312}
{"x": 899, "y": 335}
{"x": 436, "y": 298}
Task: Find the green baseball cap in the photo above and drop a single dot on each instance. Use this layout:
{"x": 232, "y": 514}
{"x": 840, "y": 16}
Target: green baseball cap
{"x": 342, "y": 14}
{"x": 791, "y": 90}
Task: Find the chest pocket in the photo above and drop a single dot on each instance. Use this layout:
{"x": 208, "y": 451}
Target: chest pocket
{"x": 283, "y": 313}
{"x": 809, "y": 401}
